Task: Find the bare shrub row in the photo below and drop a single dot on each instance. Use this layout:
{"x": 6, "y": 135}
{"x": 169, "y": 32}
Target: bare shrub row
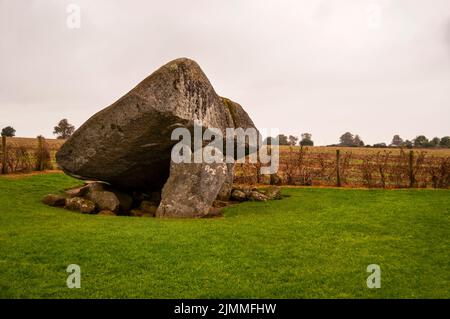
{"x": 382, "y": 169}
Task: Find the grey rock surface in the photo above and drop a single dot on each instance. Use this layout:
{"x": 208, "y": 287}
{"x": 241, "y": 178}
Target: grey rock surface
{"x": 148, "y": 207}
{"x": 78, "y": 191}
{"x": 128, "y": 144}
{"x": 104, "y": 200}
{"x": 191, "y": 189}
{"x": 272, "y": 192}
{"x": 238, "y": 195}
{"x": 257, "y": 196}
{"x": 54, "y": 200}
{"x": 81, "y": 205}
{"x": 225, "y": 191}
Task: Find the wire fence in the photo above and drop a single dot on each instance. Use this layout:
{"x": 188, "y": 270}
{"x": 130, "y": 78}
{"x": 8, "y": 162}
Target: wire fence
{"x": 22, "y": 155}
{"x": 391, "y": 168}
{"x": 303, "y": 166}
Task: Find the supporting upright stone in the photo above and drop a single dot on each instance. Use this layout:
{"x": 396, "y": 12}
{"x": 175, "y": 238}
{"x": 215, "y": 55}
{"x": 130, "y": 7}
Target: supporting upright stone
{"x": 191, "y": 189}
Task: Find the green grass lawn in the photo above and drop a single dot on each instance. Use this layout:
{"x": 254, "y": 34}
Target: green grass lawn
{"x": 314, "y": 243}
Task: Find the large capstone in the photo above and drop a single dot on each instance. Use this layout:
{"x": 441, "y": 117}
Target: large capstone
{"x": 128, "y": 144}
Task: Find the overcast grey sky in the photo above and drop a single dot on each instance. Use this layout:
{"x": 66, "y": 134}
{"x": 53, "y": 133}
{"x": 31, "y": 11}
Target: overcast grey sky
{"x": 372, "y": 67}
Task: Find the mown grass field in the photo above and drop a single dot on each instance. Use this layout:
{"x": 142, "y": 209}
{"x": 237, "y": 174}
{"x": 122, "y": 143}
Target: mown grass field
{"x": 314, "y": 243}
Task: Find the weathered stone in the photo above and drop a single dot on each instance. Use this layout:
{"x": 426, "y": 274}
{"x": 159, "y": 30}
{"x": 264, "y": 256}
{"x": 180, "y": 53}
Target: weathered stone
{"x": 79, "y": 204}
{"x": 191, "y": 189}
{"x": 238, "y": 195}
{"x": 272, "y": 192}
{"x": 95, "y": 186}
{"x": 104, "y": 200}
{"x": 125, "y": 200}
{"x": 54, "y": 200}
{"x": 257, "y": 196}
{"x": 246, "y": 189}
{"x": 128, "y": 144}
{"x": 239, "y": 116}
{"x": 106, "y": 212}
{"x": 78, "y": 191}
{"x": 220, "y": 203}
{"x": 227, "y": 187}
{"x": 148, "y": 207}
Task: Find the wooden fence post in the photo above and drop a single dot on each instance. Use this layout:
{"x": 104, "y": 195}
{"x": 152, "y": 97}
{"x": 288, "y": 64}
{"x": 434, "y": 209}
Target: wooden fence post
{"x": 40, "y": 163}
{"x": 269, "y": 152}
{"x": 338, "y": 170}
{"x": 411, "y": 169}
{"x": 4, "y": 154}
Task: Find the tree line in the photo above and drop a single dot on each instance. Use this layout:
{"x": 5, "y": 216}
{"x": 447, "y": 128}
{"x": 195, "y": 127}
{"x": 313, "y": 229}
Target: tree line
{"x": 63, "y": 130}
{"x": 354, "y": 140}
{"x": 292, "y": 140}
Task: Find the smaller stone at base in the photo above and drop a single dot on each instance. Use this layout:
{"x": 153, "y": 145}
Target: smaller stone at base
{"x": 54, "y": 200}
{"x": 272, "y": 192}
{"x": 78, "y": 191}
{"x": 81, "y": 205}
{"x": 148, "y": 207}
{"x": 95, "y": 185}
{"x": 257, "y": 196}
{"x": 238, "y": 195}
{"x": 104, "y": 200}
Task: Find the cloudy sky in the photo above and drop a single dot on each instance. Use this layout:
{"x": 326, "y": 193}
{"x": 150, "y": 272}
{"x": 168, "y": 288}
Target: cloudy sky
{"x": 372, "y": 67}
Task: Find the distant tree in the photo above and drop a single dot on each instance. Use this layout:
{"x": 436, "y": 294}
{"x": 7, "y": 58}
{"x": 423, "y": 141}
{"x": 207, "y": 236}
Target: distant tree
{"x": 357, "y": 141}
{"x": 445, "y": 141}
{"x": 8, "y": 131}
{"x": 435, "y": 142}
{"x": 306, "y": 140}
{"x": 306, "y": 136}
{"x": 421, "y": 141}
{"x": 408, "y": 144}
{"x": 64, "y": 129}
{"x": 380, "y": 145}
{"x": 346, "y": 139}
{"x": 283, "y": 139}
{"x": 397, "y": 141}
{"x": 292, "y": 140}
